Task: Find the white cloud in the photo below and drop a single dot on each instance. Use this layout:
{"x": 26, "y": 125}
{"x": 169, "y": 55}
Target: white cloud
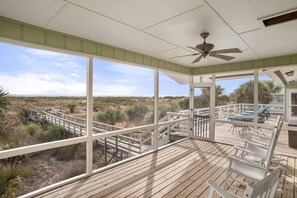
{"x": 45, "y": 84}
{"x": 27, "y": 59}
{"x": 74, "y": 75}
{"x": 58, "y": 64}
{"x": 62, "y": 60}
{"x": 43, "y": 53}
{"x": 114, "y": 90}
{"x": 130, "y": 70}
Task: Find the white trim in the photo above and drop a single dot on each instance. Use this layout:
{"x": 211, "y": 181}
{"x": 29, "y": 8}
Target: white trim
{"x": 212, "y": 108}
{"x": 155, "y": 138}
{"x": 256, "y": 98}
{"x": 289, "y": 108}
{"x": 202, "y": 85}
{"x": 140, "y": 128}
{"x": 51, "y": 145}
{"x": 41, "y": 147}
{"x": 191, "y": 106}
{"x": 89, "y": 146}
{"x": 212, "y": 89}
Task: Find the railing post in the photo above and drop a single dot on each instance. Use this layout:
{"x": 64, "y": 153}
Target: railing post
{"x": 212, "y": 109}
{"x": 191, "y": 107}
{"x": 89, "y": 149}
{"x": 256, "y": 99}
{"x": 156, "y": 110}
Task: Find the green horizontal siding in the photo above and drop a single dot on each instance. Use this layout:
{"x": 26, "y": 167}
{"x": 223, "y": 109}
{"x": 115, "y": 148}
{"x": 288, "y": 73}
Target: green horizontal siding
{"x": 248, "y": 65}
{"x": 26, "y": 33}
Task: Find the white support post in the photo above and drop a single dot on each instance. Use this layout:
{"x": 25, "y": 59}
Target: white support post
{"x": 212, "y": 109}
{"x": 256, "y": 76}
{"x": 156, "y": 109}
{"x": 191, "y": 107}
{"x": 89, "y": 160}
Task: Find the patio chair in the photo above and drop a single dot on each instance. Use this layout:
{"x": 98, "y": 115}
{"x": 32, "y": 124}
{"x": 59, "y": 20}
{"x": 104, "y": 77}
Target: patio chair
{"x": 255, "y": 147}
{"x": 248, "y": 166}
{"x": 262, "y": 112}
{"x": 265, "y": 188}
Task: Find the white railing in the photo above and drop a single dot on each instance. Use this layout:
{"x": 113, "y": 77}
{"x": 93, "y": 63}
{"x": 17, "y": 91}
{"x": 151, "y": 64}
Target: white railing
{"x": 165, "y": 131}
{"x": 222, "y": 112}
{"x": 56, "y": 144}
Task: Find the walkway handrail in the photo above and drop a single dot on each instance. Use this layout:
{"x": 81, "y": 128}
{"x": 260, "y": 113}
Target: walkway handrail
{"x": 60, "y": 143}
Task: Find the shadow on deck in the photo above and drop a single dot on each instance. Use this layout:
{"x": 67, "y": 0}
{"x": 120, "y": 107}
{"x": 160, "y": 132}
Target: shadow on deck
{"x": 179, "y": 170}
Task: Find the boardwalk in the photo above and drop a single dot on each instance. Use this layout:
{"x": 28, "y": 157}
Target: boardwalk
{"x": 180, "y": 170}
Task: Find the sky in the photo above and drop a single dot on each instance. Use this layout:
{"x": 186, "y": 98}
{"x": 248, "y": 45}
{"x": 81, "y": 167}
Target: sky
{"x": 34, "y": 72}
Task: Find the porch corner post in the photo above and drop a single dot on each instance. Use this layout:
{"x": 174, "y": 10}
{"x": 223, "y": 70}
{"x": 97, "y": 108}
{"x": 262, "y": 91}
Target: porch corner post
{"x": 89, "y": 157}
{"x": 191, "y": 107}
{"x": 212, "y": 109}
{"x": 256, "y": 99}
{"x": 156, "y": 109}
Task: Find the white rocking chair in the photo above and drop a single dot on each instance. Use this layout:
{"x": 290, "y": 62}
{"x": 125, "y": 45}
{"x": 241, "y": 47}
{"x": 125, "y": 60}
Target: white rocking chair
{"x": 256, "y": 147}
{"x": 250, "y": 168}
{"x": 265, "y": 188}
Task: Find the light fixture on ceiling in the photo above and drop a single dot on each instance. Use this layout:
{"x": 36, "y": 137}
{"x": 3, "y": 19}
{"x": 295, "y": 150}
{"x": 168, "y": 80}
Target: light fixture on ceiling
{"x": 280, "y": 17}
{"x": 292, "y": 81}
{"x": 290, "y": 73}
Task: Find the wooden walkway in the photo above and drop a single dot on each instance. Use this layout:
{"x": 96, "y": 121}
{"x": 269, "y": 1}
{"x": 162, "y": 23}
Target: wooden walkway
{"x": 180, "y": 170}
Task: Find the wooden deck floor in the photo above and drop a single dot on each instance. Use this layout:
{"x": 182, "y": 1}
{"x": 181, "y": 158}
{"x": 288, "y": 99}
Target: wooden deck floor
{"x": 180, "y": 170}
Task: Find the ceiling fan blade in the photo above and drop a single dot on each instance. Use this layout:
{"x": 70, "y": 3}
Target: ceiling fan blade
{"x": 231, "y": 50}
{"x": 227, "y": 58}
{"x": 194, "y": 48}
{"x": 184, "y": 55}
{"x": 197, "y": 59}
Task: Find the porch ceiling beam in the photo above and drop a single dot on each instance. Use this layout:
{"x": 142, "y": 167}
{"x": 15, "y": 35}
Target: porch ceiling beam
{"x": 22, "y": 33}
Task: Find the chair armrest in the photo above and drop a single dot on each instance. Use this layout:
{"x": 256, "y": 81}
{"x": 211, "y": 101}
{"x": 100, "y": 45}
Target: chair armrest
{"x": 214, "y": 187}
{"x": 258, "y": 141}
{"x": 245, "y": 150}
{"x": 256, "y": 144}
{"x": 247, "y": 163}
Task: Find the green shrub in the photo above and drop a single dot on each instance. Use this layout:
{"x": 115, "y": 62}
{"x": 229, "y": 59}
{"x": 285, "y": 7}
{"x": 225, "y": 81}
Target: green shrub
{"x": 55, "y": 132}
{"x": 66, "y": 153}
{"x": 4, "y": 102}
{"x": 163, "y": 109}
{"x": 24, "y": 115}
{"x": 33, "y": 129}
{"x": 10, "y": 180}
{"x": 112, "y": 116}
{"x": 137, "y": 111}
{"x": 71, "y": 107}
{"x": 11, "y": 161}
{"x": 44, "y": 123}
{"x": 184, "y": 103}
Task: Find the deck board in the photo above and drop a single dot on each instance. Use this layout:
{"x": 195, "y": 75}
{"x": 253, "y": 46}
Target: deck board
{"x": 180, "y": 170}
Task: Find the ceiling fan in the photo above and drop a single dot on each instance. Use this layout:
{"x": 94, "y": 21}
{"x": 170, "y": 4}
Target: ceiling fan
{"x": 205, "y": 49}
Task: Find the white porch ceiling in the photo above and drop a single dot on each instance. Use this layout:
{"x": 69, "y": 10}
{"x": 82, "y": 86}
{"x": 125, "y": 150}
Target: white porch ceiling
{"x": 163, "y": 28}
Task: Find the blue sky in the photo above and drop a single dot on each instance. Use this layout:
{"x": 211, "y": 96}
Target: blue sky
{"x": 28, "y": 71}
